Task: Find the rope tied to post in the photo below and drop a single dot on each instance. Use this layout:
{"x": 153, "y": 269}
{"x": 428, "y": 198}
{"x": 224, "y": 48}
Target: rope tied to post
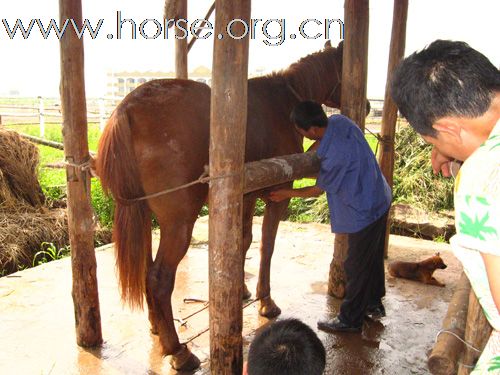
{"x": 85, "y": 166}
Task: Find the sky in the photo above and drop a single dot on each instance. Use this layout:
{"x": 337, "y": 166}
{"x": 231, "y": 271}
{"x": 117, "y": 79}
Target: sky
{"x": 32, "y": 67}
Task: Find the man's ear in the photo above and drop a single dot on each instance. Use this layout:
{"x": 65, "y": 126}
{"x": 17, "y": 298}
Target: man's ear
{"x": 449, "y": 128}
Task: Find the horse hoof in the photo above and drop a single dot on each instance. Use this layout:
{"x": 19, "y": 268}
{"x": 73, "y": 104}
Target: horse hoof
{"x": 268, "y": 308}
{"x": 246, "y": 293}
{"x": 184, "y": 360}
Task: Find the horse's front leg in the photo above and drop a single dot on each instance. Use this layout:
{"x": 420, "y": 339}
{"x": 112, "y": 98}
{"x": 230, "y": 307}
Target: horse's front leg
{"x": 272, "y": 216}
{"x": 174, "y": 242}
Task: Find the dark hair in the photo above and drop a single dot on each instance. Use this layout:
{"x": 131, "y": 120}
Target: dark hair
{"x": 307, "y": 114}
{"x": 445, "y": 79}
{"x": 286, "y": 347}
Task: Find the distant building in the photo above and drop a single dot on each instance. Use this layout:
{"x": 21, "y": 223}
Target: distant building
{"x": 120, "y": 84}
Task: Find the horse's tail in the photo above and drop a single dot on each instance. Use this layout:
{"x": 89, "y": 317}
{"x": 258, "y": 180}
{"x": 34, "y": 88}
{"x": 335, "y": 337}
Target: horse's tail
{"x": 119, "y": 174}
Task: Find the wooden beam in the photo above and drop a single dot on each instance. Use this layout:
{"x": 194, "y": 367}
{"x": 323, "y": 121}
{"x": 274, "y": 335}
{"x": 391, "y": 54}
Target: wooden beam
{"x": 446, "y": 352}
{"x": 274, "y": 171}
{"x": 390, "y": 111}
{"x": 80, "y": 223}
{"x": 353, "y": 105}
{"x": 204, "y": 23}
{"x": 228, "y": 118}
{"x": 181, "y": 49}
{"x": 477, "y": 333}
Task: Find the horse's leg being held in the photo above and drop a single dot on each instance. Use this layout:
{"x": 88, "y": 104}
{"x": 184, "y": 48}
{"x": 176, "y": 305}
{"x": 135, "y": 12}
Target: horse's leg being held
{"x": 248, "y": 211}
{"x": 174, "y": 242}
{"x": 272, "y": 216}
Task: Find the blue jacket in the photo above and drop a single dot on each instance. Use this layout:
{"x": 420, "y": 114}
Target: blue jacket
{"x": 357, "y": 192}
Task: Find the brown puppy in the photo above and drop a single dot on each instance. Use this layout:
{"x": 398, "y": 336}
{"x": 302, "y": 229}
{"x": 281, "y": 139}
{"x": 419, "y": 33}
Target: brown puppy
{"x": 419, "y": 271}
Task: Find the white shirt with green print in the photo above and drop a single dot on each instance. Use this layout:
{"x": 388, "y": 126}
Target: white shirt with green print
{"x": 477, "y": 220}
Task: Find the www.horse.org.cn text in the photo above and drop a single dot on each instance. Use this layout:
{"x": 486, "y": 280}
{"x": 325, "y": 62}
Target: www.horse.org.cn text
{"x": 272, "y": 32}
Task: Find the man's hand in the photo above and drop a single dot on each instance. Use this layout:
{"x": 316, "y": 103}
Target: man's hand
{"x": 280, "y": 195}
{"x": 440, "y": 163}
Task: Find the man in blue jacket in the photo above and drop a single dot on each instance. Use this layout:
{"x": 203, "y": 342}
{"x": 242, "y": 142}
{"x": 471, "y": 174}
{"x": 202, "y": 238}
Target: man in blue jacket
{"x": 359, "y": 199}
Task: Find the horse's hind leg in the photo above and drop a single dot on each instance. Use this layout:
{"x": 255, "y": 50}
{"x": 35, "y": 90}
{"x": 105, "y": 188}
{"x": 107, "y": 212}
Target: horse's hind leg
{"x": 175, "y": 235}
{"x": 272, "y": 216}
{"x": 149, "y": 300}
{"x": 248, "y": 211}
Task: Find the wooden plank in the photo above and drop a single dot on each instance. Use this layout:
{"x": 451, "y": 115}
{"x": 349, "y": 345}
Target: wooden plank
{"x": 274, "y": 171}
{"x": 390, "y": 110}
{"x": 228, "y": 118}
{"x": 80, "y": 222}
{"x": 353, "y": 105}
{"x": 181, "y": 47}
{"x": 446, "y": 352}
{"x": 477, "y": 333}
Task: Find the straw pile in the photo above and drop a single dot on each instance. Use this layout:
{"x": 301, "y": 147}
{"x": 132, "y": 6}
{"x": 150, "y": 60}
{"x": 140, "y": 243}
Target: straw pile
{"x": 24, "y": 220}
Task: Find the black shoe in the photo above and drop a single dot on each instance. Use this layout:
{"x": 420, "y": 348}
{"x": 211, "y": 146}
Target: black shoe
{"x": 336, "y": 325}
{"x": 375, "y": 311}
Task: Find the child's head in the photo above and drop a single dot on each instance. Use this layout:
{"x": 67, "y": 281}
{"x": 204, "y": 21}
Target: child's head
{"x": 286, "y": 347}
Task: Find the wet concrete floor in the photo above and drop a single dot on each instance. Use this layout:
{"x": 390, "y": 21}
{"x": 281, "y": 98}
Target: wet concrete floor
{"x": 37, "y": 334}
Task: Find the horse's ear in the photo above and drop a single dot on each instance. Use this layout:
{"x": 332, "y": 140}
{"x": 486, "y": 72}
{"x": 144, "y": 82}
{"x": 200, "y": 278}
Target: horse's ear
{"x": 328, "y": 44}
{"x": 340, "y": 46}
{"x": 437, "y": 254}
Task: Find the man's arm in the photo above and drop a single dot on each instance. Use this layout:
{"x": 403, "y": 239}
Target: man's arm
{"x": 306, "y": 192}
{"x": 492, "y": 265}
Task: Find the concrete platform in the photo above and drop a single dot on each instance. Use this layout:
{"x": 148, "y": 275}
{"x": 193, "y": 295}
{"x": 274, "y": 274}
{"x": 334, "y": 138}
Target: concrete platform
{"x": 37, "y": 334}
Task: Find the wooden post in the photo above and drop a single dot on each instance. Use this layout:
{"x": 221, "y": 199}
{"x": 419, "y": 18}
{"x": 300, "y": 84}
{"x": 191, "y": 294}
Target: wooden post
{"x": 228, "y": 118}
{"x": 353, "y": 105}
{"x": 477, "y": 333}
{"x": 390, "y": 111}
{"x": 41, "y": 117}
{"x": 102, "y": 114}
{"x": 81, "y": 231}
{"x": 446, "y": 352}
{"x": 181, "y": 49}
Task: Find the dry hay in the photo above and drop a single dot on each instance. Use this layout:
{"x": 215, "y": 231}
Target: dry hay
{"x": 22, "y": 233}
{"x": 24, "y": 222}
{"x": 18, "y": 172}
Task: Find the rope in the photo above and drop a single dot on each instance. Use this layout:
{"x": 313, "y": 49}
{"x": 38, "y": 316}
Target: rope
{"x": 203, "y": 179}
{"x": 85, "y": 166}
{"x": 207, "y": 329}
{"x": 458, "y": 337}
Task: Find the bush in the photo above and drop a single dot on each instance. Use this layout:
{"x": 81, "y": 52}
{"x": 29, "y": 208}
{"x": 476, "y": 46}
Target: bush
{"x": 414, "y": 180}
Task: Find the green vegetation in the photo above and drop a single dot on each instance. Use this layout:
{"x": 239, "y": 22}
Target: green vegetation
{"x": 49, "y": 253}
{"x": 414, "y": 180}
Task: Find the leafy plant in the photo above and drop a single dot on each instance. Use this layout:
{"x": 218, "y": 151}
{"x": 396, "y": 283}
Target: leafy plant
{"x": 49, "y": 253}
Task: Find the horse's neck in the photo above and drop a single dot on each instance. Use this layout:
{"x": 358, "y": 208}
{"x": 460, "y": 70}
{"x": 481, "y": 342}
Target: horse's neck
{"x": 308, "y": 85}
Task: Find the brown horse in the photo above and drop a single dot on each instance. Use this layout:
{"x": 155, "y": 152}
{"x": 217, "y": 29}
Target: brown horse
{"x": 158, "y": 138}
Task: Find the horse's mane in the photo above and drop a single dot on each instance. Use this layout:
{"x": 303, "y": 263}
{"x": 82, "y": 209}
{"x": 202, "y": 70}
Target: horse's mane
{"x": 307, "y": 75}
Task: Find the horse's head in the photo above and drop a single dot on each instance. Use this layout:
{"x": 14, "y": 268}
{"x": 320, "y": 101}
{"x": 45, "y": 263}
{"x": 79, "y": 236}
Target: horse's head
{"x": 333, "y": 98}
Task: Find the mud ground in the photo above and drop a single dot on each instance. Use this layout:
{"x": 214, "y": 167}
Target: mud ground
{"x": 37, "y": 334}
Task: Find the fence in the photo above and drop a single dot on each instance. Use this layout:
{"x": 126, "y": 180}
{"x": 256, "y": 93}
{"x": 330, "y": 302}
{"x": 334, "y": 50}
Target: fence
{"x": 39, "y": 111}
